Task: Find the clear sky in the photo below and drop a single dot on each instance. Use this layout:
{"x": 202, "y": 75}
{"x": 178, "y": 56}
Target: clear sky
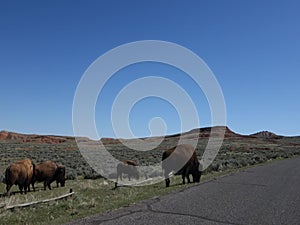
{"x": 253, "y": 48}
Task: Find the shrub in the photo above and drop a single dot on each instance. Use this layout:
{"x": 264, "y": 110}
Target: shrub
{"x": 71, "y": 174}
{"x": 2, "y": 178}
{"x": 155, "y": 173}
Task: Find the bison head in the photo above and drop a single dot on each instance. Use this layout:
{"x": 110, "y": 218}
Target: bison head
{"x": 197, "y": 172}
{"x": 62, "y": 183}
{"x": 61, "y": 171}
{"x": 197, "y": 176}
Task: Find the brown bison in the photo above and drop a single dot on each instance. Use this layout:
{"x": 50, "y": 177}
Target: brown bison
{"x": 20, "y": 173}
{"x": 48, "y": 172}
{"x": 184, "y": 155}
{"x": 127, "y": 167}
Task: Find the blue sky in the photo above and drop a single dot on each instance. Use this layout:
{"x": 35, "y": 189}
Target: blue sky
{"x": 252, "y": 47}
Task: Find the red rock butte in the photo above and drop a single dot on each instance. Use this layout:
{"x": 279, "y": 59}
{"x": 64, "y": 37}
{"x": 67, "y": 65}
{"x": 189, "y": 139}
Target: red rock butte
{"x": 50, "y": 139}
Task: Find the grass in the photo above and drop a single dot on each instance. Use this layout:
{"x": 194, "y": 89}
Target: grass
{"x": 91, "y": 197}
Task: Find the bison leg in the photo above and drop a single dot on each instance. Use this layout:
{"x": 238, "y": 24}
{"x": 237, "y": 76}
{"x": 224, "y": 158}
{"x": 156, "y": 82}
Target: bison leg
{"x": 118, "y": 175}
{"x": 8, "y": 187}
{"x": 188, "y": 177}
{"x": 183, "y": 178}
{"x": 184, "y": 175}
{"x": 167, "y": 182}
{"x": 167, "y": 179}
{"x": 27, "y": 186}
{"x": 33, "y": 188}
{"x": 119, "y": 171}
{"x": 49, "y": 185}
{"x": 21, "y": 188}
{"x": 45, "y": 185}
{"x": 116, "y": 184}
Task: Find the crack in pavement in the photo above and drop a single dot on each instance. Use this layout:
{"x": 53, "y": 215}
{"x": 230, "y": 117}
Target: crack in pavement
{"x": 127, "y": 212}
{"x": 146, "y": 206}
{"x": 149, "y": 208}
{"x": 100, "y": 221}
{"x": 247, "y": 184}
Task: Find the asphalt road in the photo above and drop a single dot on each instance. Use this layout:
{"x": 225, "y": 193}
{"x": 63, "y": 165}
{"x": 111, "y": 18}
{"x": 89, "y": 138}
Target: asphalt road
{"x": 268, "y": 194}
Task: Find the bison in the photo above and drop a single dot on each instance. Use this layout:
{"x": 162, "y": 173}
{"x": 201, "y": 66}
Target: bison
{"x": 128, "y": 167}
{"x": 184, "y": 155}
{"x": 19, "y": 173}
{"x": 48, "y": 172}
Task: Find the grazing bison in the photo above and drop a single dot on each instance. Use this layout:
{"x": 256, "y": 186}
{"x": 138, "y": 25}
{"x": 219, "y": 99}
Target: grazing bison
{"x": 48, "y": 172}
{"x": 184, "y": 155}
{"x": 20, "y": 173}
{"x": 128, "y": 167}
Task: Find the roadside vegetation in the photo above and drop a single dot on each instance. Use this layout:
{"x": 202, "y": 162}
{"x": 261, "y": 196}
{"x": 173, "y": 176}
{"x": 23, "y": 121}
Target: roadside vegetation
{"x": 94, "y": 196}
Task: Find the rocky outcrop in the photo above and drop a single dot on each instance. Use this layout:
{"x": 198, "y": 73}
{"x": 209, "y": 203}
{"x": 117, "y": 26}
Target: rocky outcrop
{"x": 266, "y": 134}
{"x": 49, "y": 139}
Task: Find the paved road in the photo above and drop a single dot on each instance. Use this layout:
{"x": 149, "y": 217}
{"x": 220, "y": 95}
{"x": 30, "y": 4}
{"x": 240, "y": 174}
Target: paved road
{"x": 268, "y": 194}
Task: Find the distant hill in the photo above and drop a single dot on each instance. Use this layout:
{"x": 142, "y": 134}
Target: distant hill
{"x": 206, "y": 131}
{"x": 35, "y": 138}
{"x": 193, "y": 134}
{"x": 265, "y": 134}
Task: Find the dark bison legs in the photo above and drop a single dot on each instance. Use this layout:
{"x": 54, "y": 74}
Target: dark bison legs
{"x": 119, "y": 175}
{"x": 167, "y": 179}
{"x": 27, "y": 186}
{"x": 21, "y": 187}
{"x": 167, "y": 182}
{"x": 33, "y": 188}
{"x": 183, "y": 178}
{"x": 47, "y": 183}
{"x": 185, "y": 174}
{"x": 8, "y": 187}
